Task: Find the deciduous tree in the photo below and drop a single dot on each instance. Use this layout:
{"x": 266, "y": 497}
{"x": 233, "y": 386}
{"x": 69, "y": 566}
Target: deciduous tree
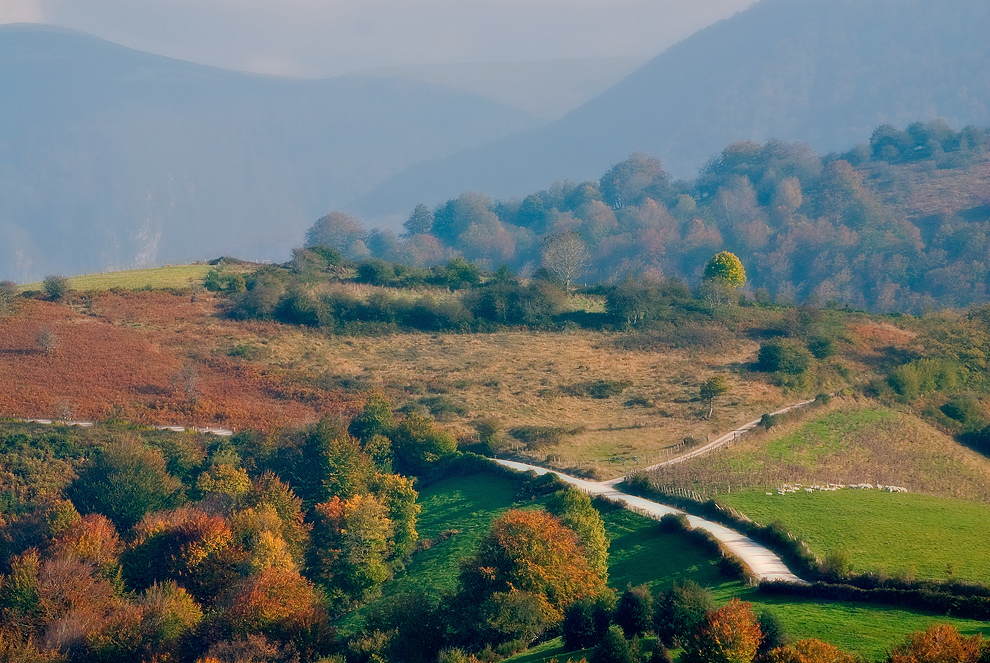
{"x": 941, "y": 643}
{"x": 124, "y": 481}
{"x": 711, "y": 389}
{"x": 730, "y": 634}
{"x": 575, "y": 510}
{"x": 566, "y": 256}
{"x": 809, "y": 651}
{"x": 533, "y": 552}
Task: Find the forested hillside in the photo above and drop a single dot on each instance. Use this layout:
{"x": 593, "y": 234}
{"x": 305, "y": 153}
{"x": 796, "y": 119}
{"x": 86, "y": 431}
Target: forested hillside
{"x": 899, "y": 223}
{"x": 112, "y": 158}
{"x": 820, "y": 71}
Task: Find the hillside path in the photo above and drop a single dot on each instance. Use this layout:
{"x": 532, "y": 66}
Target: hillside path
{"x": 764, "y": 563}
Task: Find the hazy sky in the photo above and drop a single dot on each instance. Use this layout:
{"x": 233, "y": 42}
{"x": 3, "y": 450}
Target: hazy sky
{"x": 327, "y": 37}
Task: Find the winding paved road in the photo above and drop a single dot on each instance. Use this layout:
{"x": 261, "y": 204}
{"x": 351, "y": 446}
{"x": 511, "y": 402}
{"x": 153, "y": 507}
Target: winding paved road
{"x": 764, "y": 563}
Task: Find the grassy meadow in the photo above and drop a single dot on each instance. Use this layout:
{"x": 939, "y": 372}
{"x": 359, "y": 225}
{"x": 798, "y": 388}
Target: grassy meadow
{"x": 639, "y": 554}
{"x": 901, "y": 534}
{"x": 170, "y": 276}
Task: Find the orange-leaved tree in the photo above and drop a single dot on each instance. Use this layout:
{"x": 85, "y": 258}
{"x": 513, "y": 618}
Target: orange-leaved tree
{"x": 730, "y": 634}
{"x": 809, "y": 651}
{"x": 531, "y": 551}
{"x": 941, "y": 643}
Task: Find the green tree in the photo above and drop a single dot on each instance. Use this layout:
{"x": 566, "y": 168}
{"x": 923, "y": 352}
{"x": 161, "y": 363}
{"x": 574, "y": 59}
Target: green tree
{"x": 680, "y": 610}
{"x": 713, "y": 388}
{"x": 338, "y": 231}
{"x": 575, "y": 510}
{"x": 124, "y": 481}
{"x": 56, "y": 287}
{"x": 334, "y": 463}
{"x": 419, "y": 222}
{"x": 375, "y": 419}
{"x": 397, "y": 494}
{"x": 350, "y": 547}
{"x": 587, "y": 620}
{"x": 727, "y": 268}
{"x": 613, "y": 648}
{"x": 417, "y": 443}
{"x": 626, "y": 182}
{"x": 634, "y": 611}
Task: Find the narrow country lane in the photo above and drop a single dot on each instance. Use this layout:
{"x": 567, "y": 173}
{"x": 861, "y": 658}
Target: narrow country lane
{"x": 763, "y": 562}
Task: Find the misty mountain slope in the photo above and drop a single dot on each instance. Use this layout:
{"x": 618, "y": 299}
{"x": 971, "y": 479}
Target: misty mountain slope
{"x": 826, "y": 72}
{"x": 546, "y": 88}
{"x": 111, "y": 157}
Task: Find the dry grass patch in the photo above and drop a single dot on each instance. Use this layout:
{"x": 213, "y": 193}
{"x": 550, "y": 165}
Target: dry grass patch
{"x": 531, "y": 378}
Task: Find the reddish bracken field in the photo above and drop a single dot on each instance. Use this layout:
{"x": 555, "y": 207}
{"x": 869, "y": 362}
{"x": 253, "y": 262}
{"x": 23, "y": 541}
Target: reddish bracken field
{"x": 147, "y": 357}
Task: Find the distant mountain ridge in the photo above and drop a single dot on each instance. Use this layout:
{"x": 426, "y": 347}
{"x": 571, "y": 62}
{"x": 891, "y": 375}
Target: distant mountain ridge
{"x": 112, "y": 158}
{"x": 825, "y": 72}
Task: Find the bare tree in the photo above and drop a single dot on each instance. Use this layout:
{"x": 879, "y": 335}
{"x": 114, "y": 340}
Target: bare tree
{"x": 565, "y": 256}
{"x": 46, "y": 340}
{"x": 187, "y": 381}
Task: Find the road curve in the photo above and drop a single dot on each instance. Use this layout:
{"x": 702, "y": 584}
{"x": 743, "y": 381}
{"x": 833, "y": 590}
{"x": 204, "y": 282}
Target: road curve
{"x": 714, "y": 444}
{"x": 763, "y": 562}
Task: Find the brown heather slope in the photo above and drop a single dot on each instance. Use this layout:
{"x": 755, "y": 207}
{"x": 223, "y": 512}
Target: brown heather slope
{"x": 121, "y": 355}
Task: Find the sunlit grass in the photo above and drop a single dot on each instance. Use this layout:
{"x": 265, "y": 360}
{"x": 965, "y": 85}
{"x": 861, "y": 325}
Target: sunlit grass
{"x": 639, "y": 554}
{"x": 900, "y": 534}
{"x": 171, "y": 276}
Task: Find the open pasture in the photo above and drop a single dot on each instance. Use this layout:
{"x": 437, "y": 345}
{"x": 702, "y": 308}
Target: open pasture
{"x": 157, "y": 278}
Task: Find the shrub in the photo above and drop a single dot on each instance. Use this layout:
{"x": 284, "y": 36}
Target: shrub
{"x": 586, "y": 621}
{"x": 966, "y": 410}
{"x": 613, "y": 648}
{"x": 772, "y": 630}
{"x": 536, "y": 437}
{"x": 783, "y": 356}
{"x": 680, "y": 610}
{"x": 634, "y": 612}
{"x": 821, "y": 347}
{"x": 600, "y": 389}
{"x": 56, "y": 287}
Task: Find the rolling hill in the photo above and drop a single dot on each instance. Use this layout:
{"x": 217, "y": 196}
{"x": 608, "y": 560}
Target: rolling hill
{"x": 820, "y": 71}
{"x": 111, "y": 157}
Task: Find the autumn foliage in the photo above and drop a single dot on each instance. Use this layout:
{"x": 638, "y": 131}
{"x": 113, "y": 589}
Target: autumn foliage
{"x": 730, "y": 634}
{"x": 809, "y": 651}
{"x": 531, "y": 551}
{"x": 941, "y": 643}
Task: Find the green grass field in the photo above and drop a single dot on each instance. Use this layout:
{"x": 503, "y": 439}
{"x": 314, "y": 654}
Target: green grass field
{"x": 639, "y": 554}
{"x": 898, "y": 533}
{"x": 171, "y": 276}
{"x": 465, "y": 505}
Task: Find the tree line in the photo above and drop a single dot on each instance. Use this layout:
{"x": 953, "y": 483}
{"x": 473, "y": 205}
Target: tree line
{"x": 847, "y": 228}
